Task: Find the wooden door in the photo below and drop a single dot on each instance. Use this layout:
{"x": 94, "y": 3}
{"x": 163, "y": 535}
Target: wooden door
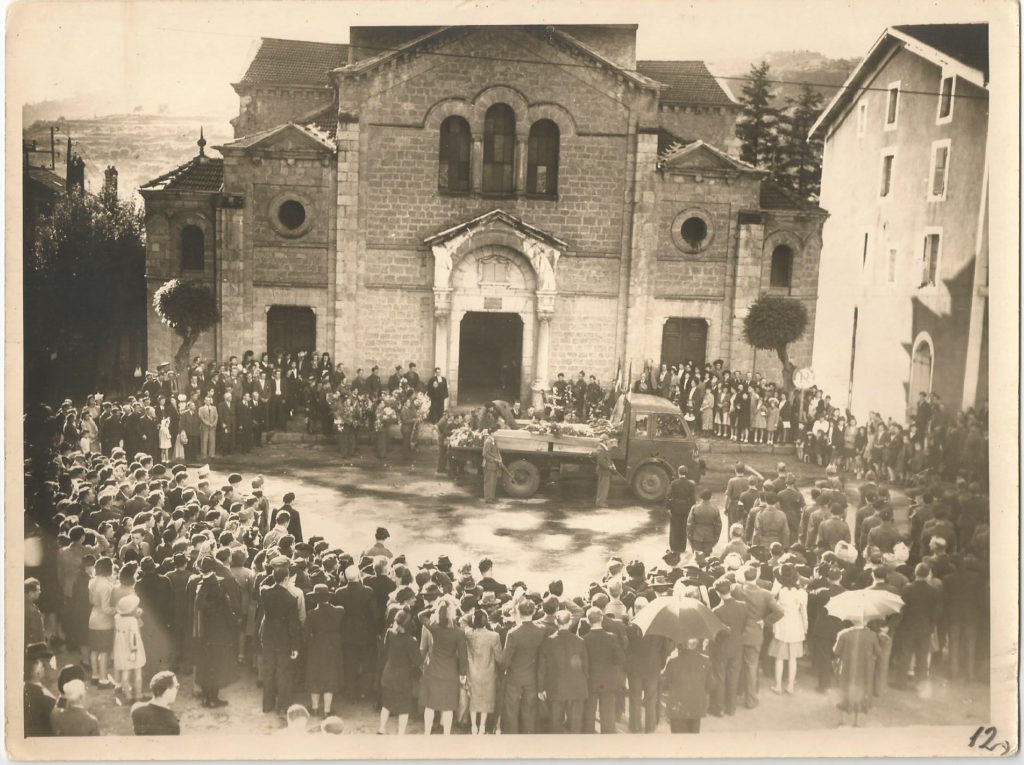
{"x": 291, "y": 328}
{"x": 684, "y": 340}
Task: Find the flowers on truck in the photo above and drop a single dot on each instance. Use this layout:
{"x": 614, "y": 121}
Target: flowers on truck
{"x": 465, "y": 436}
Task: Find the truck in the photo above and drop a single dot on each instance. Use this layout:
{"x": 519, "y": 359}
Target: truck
{"x": 650, "y": 441}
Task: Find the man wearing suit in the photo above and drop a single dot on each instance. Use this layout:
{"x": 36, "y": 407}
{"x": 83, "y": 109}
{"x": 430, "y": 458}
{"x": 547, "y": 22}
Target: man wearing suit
{"x": 373, "y": 383}
{"x": 727, "y": 650}
{"x": 358, "y": 634}
{"x": 606, "y": 662}
{"x": 562, "y": 676}
{"x": 208, "y": 417}
{"x": 682, "y": 494}
{"x": 522, "y": 647}
{"x": 179, "y": 578}
{"x": 737, "y": 485}
{"x": 278, "y": 394}
{"x": 645, "y": 658}
{"x": 920, "y": 614}
{"x": 259, "y": 417}
{"x": 279, "y": 636}
{"x": 771, "y": 524}
{"x": 437, "y": 392}
{"x": 762, "y": 609}
{"x": 226, "y": 417}
{"x": 294, "y": 521}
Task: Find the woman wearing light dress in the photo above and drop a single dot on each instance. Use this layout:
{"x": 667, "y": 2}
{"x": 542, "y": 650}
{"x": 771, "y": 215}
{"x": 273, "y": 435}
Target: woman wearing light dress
{"x": 788, "y": 632}
{"x": 484, "y": 649}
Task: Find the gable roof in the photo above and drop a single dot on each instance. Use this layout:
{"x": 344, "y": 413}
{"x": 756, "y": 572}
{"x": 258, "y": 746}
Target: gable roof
{"x": 677, "y": 156}
{"x": 48, "y": 179}
{"x": 496, "y": 215}
{"x": 553, "y": 33}
{"x": 308, "y": 131}
{"x": 294, "y": 62}
{"x": 961, "y": 49}
{"x": 201, "y": 173}
{"x": 686, "y": 82}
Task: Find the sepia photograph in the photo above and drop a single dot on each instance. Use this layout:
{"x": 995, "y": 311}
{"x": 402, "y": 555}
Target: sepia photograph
{"x": 381, "y": 370}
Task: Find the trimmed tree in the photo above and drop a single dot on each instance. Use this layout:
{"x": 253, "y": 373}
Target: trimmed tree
{"x": 772, "y": 324}
{"x": 189, "y": 308}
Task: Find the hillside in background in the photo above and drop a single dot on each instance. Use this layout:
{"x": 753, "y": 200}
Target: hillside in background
{"x": 792, "y": 67}
{"x": 140, "y": 146}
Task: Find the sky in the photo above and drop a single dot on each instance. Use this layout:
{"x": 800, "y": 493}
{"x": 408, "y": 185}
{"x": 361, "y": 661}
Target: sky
{"x": 185, "y": 54}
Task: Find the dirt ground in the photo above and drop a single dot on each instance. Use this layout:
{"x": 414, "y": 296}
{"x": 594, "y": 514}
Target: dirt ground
{"x": 556, "y": 535}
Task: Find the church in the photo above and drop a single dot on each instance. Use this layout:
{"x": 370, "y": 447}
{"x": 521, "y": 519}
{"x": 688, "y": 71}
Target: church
{"x": 502, "y": 202}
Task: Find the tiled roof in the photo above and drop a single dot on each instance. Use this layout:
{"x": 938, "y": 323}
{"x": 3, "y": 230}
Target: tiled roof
{"x": 776, "y": 197}
{"x": 688, "y": 82}
{"x": 46, "y": 177}
{"x": 295, "y": 62}
{"x": 967, "y": 43}
{"x": 201, "y": 173}
{"x": 324, "y": 123}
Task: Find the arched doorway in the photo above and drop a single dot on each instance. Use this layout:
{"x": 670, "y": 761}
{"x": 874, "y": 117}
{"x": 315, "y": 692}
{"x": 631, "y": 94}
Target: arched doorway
{"x": 921, "y": 367}
{"x": 291, "y": 328}
{"x": 490, "y": 357}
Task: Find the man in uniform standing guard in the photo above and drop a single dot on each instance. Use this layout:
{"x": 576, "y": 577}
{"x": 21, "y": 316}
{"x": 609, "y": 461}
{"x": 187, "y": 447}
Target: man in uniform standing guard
{"x": 492, "y": 464}
{"x": 605, "y": 467}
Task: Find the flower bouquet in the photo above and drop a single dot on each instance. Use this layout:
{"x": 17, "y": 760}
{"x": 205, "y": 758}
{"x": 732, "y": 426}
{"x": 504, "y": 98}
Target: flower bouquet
{"x": 422, "y": 402}
{"x": 465, "y": 436}
{"x": 386, "y": 412}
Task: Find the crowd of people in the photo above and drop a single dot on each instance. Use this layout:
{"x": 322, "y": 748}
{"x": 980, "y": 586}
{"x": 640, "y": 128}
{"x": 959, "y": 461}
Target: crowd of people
{"x": 139, "y": 573}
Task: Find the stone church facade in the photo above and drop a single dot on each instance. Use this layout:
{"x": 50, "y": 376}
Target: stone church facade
{"x": 504, "y": 202}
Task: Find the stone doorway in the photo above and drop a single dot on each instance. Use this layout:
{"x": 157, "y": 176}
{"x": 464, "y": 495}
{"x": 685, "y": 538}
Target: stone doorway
{"x": 490, "y": 357}
{"x": 291, "y": 328}
{"x": 683, "y": 340}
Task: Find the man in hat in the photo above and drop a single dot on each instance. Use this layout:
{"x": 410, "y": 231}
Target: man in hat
{"x": 727, "y": 649}
{"x": 562, "y": 676}
{"x": 155, "y": 717}
{"x": 606, "y": 660}
{"x": 378, "y": 547}
{"x": 682, "y": 494}
{"x": 734, "y": 489}
{"x": 208, "y": 421}
{"x": 704, "y": 526}
{"x": 605, "y": 469}
{"x": 280, "y": 635}
{"x": 522, "y": 648}
{"x": 38, "y": 701}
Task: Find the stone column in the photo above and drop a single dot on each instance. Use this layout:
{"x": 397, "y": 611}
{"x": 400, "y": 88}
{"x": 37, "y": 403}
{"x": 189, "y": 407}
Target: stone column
{"x": 522, "y": 150}
{"x": 346, "y": 267}
{"x": 442, "y": 318}
{"x": 540, "y": 381}
{"x": 476, "y": 164}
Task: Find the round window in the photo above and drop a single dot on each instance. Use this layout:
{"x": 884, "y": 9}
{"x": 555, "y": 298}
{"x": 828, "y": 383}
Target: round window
{"x": 292, "y": 214}
{"x": 694, "y": 231}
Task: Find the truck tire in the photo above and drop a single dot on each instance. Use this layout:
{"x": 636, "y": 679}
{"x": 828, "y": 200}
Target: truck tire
{"x": 522, "y": 479}
{"x": 650, "y": 483}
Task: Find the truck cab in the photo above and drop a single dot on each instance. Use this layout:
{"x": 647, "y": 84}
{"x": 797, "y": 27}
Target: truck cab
{"x": 655, "y": 440}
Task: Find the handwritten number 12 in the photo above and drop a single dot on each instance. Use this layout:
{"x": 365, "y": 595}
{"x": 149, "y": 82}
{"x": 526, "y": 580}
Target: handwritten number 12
{"x": 987, "y": 745}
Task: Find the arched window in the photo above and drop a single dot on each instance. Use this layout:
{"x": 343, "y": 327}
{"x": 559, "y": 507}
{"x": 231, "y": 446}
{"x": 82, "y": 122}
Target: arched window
{"x": 921, "y": 368}
{"x": 782, "y": 267}
{"x": 453, "y": 156}
{"x": 193, "y": 249}
{"x": 499, "y": 149}
{"x": 542, "y": 162}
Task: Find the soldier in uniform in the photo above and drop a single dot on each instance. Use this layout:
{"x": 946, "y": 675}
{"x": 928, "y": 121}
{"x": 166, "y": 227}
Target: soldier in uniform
{"x": 605, "y": 467}
{"x": 492, "y": 464}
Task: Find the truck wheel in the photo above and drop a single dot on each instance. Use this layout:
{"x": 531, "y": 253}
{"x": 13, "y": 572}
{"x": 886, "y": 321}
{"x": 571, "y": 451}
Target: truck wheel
{"x": 650, "y": 483}
{"x": 522, "y": 479}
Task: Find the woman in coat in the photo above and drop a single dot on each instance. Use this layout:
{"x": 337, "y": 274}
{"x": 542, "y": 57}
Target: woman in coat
{"x": 401, "y": 661}
{"x": 743, "y": 405}
{"x": 484, "y": 653}
{"x": 789, "y": 632}
{"x": 707, "y": 412}
{"x": 857, "y": 649}
{"x": 215, "y": 637}
{"x": 324, "y": 667}
{"x": 686, "y": 680}
{"x": 446, "y": 664}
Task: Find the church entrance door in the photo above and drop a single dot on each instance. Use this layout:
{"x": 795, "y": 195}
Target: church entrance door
{"x": 490, "y": 356}
{"x": 291, "y": 328}
{"x": 684, "y": 340}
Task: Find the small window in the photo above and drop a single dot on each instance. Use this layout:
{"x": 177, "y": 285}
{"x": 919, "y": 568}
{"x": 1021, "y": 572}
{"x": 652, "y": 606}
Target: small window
{"x": 892, "y": 105}
{"x": 193, "y": 249}
{"x": 670, "y": 426}
{"x": 891, "y": 265}
{"x": 940, "y": 171}
{"x": 542, "y": 159}
{"x": 782, "y": 267}
{"x": 694, "y": 231}
{"x": 499, "y": 150}
{"x": 930, "y": 258}
{"x": 946, "y": 100}
{"x": 641, "y": 426}
{"x": 862, "y": 118}
{"x": 886, "y": 186}
{"x": 453, "y": 155}
{"x": 291, "y": 214}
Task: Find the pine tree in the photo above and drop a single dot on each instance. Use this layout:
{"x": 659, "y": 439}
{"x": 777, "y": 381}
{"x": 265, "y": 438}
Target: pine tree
{"x": 757, "y": 128}
{"x": 799, "y": 158}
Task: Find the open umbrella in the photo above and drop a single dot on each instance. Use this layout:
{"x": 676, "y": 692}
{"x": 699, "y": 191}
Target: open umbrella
{"x": 679, "y": 619}
{"x": 863, "y": 606}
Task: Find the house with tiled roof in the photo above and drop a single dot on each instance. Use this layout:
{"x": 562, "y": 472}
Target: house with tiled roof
{"x": 502, "y": 202}
{"x": 903, "y": 287}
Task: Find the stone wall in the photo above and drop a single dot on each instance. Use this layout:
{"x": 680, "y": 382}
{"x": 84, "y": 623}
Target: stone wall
{"x": 583, "y": 337}
{"x": 265, "y": 108}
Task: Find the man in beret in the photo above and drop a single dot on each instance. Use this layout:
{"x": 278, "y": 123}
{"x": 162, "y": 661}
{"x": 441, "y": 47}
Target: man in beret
{"x": 771, "y": 524}
{"x": 70, "y": 717}
{"x": 294, "y": 520}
